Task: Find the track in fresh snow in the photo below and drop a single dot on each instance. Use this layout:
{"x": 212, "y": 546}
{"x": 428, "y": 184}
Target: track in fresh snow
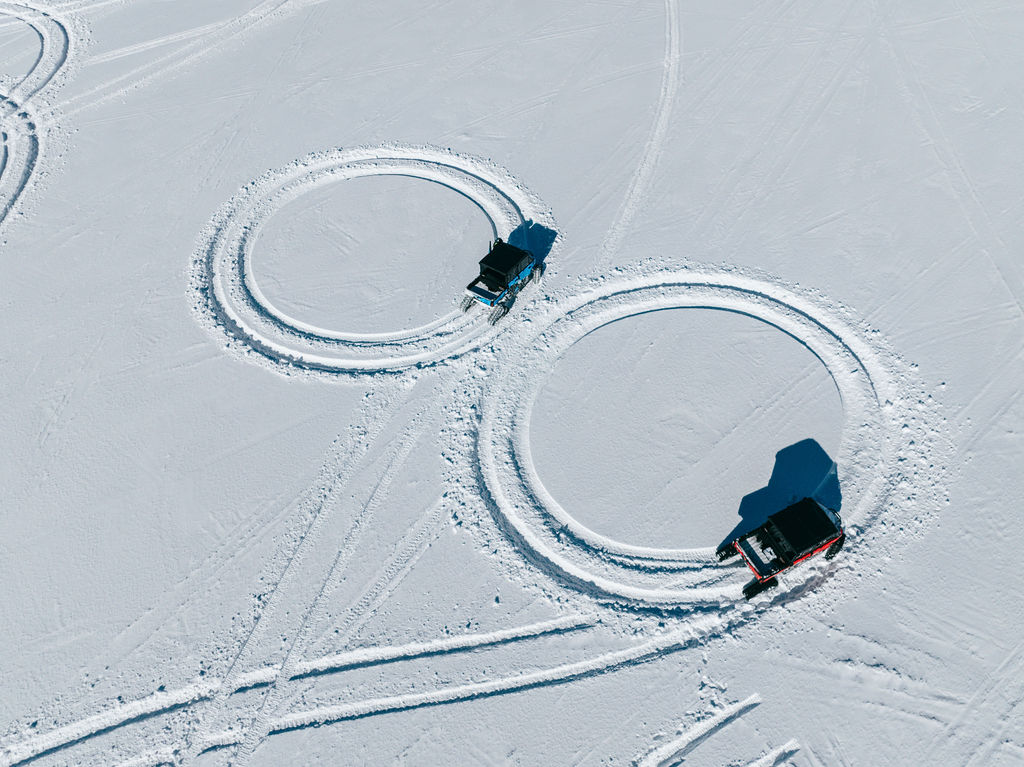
{"x": 165, "y": 702}
{"x": 229, "y": 300}
{"x": 19, "y": 138}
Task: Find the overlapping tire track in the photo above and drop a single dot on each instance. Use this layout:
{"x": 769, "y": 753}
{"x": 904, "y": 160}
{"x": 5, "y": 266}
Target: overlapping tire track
{"x": 20, "y": 132}
{"x": 641, "y": 180}
{"x": 209, "y": 43}
{"x": 164, "y": 702}
{"x": 229, "y": 301}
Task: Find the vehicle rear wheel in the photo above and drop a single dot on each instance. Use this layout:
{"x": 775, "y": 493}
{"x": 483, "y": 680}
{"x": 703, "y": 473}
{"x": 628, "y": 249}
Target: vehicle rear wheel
{"x": 835, "y": 547}
{"x": 755, "y": 587}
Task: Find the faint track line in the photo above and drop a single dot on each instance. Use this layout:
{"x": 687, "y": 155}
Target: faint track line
{"x": 796, "y": 142}
{"x": 964, "y": 189}
{"x": 1009, "y": 673}
{"x": 187, "y": 54}
{"x": 258, "y": 729}
{"x": 408, "y": 551}
{"x": 131, "y": 50}
{"x": 730, "y": 182}
{"x": 639, "y": 184}
{"x": 367, "y": 424}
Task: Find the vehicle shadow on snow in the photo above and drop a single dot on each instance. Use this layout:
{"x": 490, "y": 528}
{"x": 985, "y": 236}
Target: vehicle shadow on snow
{"x": 802, "y": 470}
{"x": 535, "y": 238}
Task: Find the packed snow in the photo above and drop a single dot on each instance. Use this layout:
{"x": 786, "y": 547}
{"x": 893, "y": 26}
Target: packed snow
{"x": 271, "y": 496}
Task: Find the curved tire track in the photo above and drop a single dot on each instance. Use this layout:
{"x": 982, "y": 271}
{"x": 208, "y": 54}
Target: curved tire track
{"x": 20, "y": 135}
{"x": 228, "y": 300}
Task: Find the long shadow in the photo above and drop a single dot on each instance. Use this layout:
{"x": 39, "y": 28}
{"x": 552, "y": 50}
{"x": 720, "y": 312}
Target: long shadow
{"x": 802, "y": 470}
{"x": 533, "y": 237}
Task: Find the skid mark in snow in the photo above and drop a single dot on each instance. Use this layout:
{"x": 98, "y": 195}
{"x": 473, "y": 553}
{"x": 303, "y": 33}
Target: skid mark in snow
{"x": 993, "y": 708}
{"x": 407, "y": 552}
{"x": 20, "y": 153}
{"x": 337, "y": 572}
{"x": 964, "y": 188}
{"x": 130, "y": 50}
{"x": 229, "y": 301}
{"x": 376, "y": 412}
{"x": 677, "y": 639}
{"x": 276, "y": 615}
{"x": 673, "y": 752}
{"x": 54, "y": 48}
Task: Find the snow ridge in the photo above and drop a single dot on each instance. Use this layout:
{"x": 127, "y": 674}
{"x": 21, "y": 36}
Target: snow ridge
{"x": 672, "y": 753}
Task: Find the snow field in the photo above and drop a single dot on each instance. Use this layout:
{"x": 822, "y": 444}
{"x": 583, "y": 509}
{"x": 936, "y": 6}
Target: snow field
{"x": 437, "y": 459}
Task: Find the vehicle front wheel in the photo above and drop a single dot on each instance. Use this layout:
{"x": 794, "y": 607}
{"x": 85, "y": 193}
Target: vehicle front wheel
{"x": 726, "y": 552}
{"x": 497, "y": 313}
{"x": 836, "y": 546}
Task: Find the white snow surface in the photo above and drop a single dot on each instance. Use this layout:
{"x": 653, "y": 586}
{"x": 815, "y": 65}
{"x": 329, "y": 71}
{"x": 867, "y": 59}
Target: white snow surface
{"x": 269, "y": 497}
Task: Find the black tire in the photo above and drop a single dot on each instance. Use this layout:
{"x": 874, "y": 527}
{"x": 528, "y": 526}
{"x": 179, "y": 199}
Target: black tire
{"x": 467, "y": 303}
{"x": 836, "y": 546}
{"x": 497, "y": 313}
{"x": 726, "y": 552}
{"x": 537, "y": 273}
{"x": 755, "y": 587}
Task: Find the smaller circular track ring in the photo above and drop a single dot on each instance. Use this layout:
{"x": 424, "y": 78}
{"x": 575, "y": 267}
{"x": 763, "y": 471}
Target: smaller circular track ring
{"x": 229, "y": 299}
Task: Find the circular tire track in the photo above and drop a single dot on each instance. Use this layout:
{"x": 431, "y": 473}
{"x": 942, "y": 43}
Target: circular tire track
{"x": 879, "y": 433}
{"x": 229, "y": 300}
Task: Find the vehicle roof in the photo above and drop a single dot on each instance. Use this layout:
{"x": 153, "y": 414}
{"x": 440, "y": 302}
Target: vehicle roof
{"x": 805, "y": 525}
{"x": 505, "y": 259}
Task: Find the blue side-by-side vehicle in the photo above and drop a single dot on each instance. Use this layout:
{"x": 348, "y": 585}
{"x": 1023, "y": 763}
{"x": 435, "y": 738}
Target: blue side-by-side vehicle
{"x": 504, "y": 271}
